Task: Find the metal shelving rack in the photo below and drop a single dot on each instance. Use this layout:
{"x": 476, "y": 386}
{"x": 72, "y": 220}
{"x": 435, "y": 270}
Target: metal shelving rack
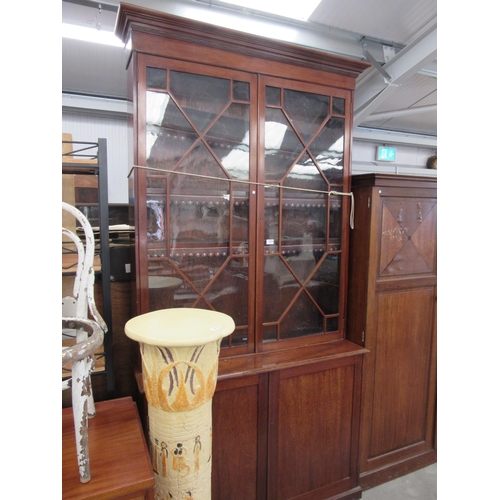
{"x": 87, "y": 153}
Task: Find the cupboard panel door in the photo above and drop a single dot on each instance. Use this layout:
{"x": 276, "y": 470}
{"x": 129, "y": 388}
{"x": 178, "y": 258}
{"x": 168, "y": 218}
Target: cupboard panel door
{"x": 402, "y": 358}
{"x": 238, "y": 438}
{"x": 312, "y": 453}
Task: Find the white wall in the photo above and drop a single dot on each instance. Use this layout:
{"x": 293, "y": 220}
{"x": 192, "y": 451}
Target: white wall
{"x": 409, "y": 159}
{"x": 87, "y": 128}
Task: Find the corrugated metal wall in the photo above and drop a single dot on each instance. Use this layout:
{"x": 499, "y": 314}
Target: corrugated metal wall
{"x": 113, "y": 128}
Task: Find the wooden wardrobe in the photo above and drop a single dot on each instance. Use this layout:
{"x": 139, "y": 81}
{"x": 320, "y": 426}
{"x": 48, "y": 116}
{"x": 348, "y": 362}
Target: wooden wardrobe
{"x": 392, "y": 312}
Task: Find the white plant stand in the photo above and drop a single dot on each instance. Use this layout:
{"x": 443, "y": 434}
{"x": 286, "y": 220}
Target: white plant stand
{"x": 180, "y": 355}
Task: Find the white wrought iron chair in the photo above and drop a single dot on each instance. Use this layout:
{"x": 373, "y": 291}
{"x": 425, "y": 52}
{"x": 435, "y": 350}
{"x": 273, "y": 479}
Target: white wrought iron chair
{"x": 83, "y": 323}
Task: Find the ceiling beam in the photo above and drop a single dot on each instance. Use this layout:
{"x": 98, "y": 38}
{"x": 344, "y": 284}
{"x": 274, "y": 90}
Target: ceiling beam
{"x": 396, "y": 113}
{"x": 373, "y": 88}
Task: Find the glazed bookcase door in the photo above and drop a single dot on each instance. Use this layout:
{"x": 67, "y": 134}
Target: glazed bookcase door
{"x": 239, "y": 215}
{"x": 304, "y": 156}
{"x": 197, "y": 143}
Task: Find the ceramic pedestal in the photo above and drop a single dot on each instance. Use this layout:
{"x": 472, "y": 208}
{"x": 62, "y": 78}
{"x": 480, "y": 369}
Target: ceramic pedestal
{"x": 180, "y": 354}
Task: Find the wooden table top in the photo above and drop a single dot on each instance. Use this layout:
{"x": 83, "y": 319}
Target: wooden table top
{"x": 119, "y": 458}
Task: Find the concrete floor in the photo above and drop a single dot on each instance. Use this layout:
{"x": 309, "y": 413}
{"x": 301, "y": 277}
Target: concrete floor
{"x": 421, "y": 485}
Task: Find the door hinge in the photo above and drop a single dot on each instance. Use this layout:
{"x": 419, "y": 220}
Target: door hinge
{"x": 363, "y": 337}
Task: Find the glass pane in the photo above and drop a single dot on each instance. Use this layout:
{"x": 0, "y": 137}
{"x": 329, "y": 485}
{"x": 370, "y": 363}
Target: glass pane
{"x": 155, "y": 213}
{"x": 202, "y": 98}
{"x": 156, "y": 105}
{"x": 198, "y": 271}
{"x": 162, "y": 291}
{"x": 302, "y": 224}
{"x": 328, "y": 150}
{"x": 332, "y": 324}
{"x": 335, "y": 230}
{"x": 228, "y": 293}
{"x": 307, "y": 111}
{"x": 198, "y": 205}
{"x": 198, "y": 224}
{"x": 241, "y": 91}
{"x": 304, "y": 232}
{"x": 229, "y": 139}
{"x": 156, "y": 78}
{"x": 156, "y": 219}
{"x": 302, "y": 319}
{"x": 240, "y": 225}
{"x": 270, "y": 333}
{"x": 271, "y": 220}
{"x": 205, "y": 181}
{"x": 338, "y": 106}
{"x": 280, "y": 287}
{"x": 168, "y": 134}
{"x": 282, "y": 146}
{"x": 238, "y": 337}
{"x": 304, "y": 175}
{"x": 164, "y": 285}
{"x": 273, "y": 96}
{"x": 301, "y": 259}
{"x": 325, "y": 284}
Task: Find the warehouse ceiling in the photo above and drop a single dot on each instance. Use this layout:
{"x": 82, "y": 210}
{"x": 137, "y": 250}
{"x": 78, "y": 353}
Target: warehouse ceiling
{"x": 397, "y": 95}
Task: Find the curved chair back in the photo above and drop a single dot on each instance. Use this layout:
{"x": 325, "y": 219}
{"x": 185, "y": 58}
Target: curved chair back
{"x": 82, "y": 302}
{"x": 88, "y": 334}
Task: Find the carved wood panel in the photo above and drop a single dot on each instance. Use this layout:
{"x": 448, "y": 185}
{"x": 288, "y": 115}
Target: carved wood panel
{"x": 408, "y": 237}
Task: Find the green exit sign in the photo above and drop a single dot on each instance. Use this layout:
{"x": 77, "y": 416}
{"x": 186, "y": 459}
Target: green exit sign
{"x": 386, "y": 154}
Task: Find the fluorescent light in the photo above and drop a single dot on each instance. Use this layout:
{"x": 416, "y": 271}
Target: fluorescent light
{"x": 294, "y": 9}
{"x": 90, "y": 35}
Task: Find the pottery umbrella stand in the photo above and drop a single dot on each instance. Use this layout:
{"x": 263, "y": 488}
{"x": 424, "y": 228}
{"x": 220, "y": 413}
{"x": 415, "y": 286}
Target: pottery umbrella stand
{"x": 180, "y": 354}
